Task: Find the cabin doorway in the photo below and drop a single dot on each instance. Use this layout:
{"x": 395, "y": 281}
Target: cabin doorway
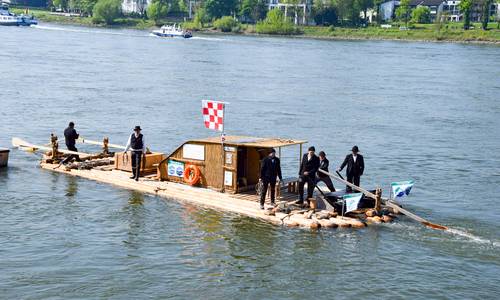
{"x": 248, "y": 172}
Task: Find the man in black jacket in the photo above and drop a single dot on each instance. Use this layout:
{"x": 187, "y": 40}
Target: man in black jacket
{"x": 270, "y": 169}
{"x": 307, "y": 174}
{"x": 70, "y": 137}
{"x": 355, "y": 167}
{"x": 323, "y": 165}
{"x": 137, "y": 145}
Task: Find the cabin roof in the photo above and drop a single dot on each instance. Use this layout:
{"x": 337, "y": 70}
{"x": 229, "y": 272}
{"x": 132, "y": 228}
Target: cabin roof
{"x": 248, "y": 141}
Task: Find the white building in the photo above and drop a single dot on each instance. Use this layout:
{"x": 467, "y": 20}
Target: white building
{"x": 135, "y": 6}
{"x": 303, "y": 8}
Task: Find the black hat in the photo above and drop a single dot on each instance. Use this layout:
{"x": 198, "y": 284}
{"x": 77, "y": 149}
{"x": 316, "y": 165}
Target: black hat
{"x": 355, "y": 149}
{"x": 273, "y": 150}
{"x": 311, "y": 148}
{"x": 137, "y": 128}
{"x": 71, "y": 124}
{"x": 322, "y": 154}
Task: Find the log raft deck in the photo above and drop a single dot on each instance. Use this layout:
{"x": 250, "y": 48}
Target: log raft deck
{"x": 229, "y": 174}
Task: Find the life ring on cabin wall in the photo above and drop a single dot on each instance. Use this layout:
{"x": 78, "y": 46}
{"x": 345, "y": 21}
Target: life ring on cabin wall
{"x": 192, "y": 174}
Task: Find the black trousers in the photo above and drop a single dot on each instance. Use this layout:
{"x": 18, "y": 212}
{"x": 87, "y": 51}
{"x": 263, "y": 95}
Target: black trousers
{"x": 354, "y": 179}
{"x": 265, "y": 183}
{"x": 136, "y": 164}
{"x": 303, "y": 179}
{"x": 328, "y": 181}
{"x": 76, "y": 157}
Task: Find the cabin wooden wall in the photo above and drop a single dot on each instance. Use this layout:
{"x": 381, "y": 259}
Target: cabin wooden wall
{"x": 210, "y": 169}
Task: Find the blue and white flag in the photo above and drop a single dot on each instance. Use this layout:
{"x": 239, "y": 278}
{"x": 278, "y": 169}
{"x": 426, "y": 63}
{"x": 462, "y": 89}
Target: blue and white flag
{"x": 352, "y": 201}
{"x": 402, "y": 188}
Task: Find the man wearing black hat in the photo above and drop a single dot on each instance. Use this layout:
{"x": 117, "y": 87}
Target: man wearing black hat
{"x": 270, "y": 169}
{"x": 70, "y": 137}
{"x": 137, "y": 145}
{"x": 355, "y": 167}
{"x": 307, "y": 174}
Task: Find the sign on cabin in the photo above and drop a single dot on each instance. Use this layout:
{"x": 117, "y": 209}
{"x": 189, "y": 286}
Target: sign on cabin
{"x": 193, "y": 151}
{"x": 175, "y": 168}
{"x": 228, "y": 178}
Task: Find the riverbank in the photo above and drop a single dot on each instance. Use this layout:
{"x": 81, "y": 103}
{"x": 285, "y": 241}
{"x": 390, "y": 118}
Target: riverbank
{"x": 451, "y": 32}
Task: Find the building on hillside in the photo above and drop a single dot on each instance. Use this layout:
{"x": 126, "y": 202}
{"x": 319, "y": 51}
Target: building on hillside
{"x": 299, "y": 12}
{"x": 450, "y": 8}
{"x": 388, "y": 10}
{"x": 435, "y": 6}
{"x": 455, "y": 15}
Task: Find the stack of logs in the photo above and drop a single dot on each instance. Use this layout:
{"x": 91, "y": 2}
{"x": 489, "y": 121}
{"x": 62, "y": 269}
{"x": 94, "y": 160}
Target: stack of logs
{"x": 294, "y": 216}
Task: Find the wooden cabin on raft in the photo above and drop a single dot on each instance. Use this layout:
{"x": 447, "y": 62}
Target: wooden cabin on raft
{"x": 232, "y": 166}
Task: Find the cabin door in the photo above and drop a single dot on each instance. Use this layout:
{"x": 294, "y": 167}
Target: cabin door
{"x": 230, "y": 175}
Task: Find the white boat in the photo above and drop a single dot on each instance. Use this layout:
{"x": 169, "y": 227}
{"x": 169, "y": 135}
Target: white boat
{"x": 172, "y": 31}
{"x": 9, "y": 19}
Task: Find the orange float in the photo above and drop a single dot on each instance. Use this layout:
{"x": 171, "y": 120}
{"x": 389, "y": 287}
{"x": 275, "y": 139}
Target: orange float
{"x": 192, "y": 174}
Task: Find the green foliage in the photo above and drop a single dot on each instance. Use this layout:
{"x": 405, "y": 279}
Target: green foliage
{"x": 226, "y": 24}
{"x": 324, "y": 12}
{"x": 275, "y": 23}
{"x": 106, "y": 11}
{"x": 348, "y": 12}
{"x": 156, "y": 11}
{"x": 465, "y": 7}
{"x": 60, "y": 4}
{"x": 421, "y": 15}
{"x": 253, "y": 9}
{"x": 182, "y": 6}
{"x": 218, "y": 8}
{"x": 485, "y": 14}
{"x": 403, "y": 12}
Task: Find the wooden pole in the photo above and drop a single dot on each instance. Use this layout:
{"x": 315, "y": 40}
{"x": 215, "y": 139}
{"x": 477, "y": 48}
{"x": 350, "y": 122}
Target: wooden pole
{"x": 378, "y": 199}
{"x": 387, "y": 202}
{"x": 17, "y": 142}
{"x": 90, "y": 142}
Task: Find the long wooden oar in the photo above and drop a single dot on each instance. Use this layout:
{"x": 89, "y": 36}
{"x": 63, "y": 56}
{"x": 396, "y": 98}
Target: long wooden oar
{"x": 22, "y": 144}
{"x": 85, "y": 141}
{"x": 387, "y": 202}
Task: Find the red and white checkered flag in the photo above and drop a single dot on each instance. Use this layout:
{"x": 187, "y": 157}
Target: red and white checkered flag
{"x": 213, "y": 114}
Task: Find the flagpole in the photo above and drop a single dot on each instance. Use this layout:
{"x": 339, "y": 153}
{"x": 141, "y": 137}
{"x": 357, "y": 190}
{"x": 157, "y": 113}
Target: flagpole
{"x": 222, "y": 138}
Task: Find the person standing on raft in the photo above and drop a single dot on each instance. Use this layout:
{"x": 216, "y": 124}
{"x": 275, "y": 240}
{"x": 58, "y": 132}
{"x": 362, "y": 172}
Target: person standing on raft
{"x": 307, "y": 174}
{"x": 137, "y": 146}
{"x": 269, "y": 171}
{"x": 70, "y": 137}
{"x": 355, "y": 167}
{"x": 323, "y": 165}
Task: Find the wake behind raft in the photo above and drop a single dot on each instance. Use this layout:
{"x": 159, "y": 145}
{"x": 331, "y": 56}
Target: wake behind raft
{"x": 224, "y": 177}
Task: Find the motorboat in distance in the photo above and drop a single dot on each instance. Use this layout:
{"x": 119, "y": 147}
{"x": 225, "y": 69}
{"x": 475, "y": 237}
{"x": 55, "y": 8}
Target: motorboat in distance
{"x": 9, "y": 19}
{"x": 172, "y": 31}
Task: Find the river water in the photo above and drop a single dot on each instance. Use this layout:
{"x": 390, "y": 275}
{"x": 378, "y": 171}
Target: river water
{"x": 423, "y": 111}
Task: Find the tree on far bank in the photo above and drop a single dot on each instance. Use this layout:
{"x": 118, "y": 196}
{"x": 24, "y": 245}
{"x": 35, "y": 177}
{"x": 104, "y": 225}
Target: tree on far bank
{"x": 421, "y": 15}
{"x": 324, "y": 12}
{"x": 254, "y": 10}
{"x": 485, "y": 15}
{"x": 465, "y": 7}
{"x": 107, "y": 11}
{"x": 348, "y": 12}
{"x": 219, "y": 8}
{"x": 403, "y": 12}
{"x": 156, "y": 11}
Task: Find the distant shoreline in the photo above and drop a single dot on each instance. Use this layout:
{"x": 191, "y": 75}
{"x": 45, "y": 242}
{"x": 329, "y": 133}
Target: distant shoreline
{"x": 426, "y": 33}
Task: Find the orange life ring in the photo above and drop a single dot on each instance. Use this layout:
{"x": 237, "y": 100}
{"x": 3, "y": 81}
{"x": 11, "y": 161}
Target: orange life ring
{"x": 192, "y": 174}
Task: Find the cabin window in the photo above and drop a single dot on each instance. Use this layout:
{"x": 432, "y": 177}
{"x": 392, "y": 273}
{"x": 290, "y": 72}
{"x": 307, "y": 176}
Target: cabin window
{"x": 192, "y": 151}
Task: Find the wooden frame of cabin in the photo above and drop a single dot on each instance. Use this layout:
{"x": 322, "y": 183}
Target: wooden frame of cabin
{"x": 232, "y": 166}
